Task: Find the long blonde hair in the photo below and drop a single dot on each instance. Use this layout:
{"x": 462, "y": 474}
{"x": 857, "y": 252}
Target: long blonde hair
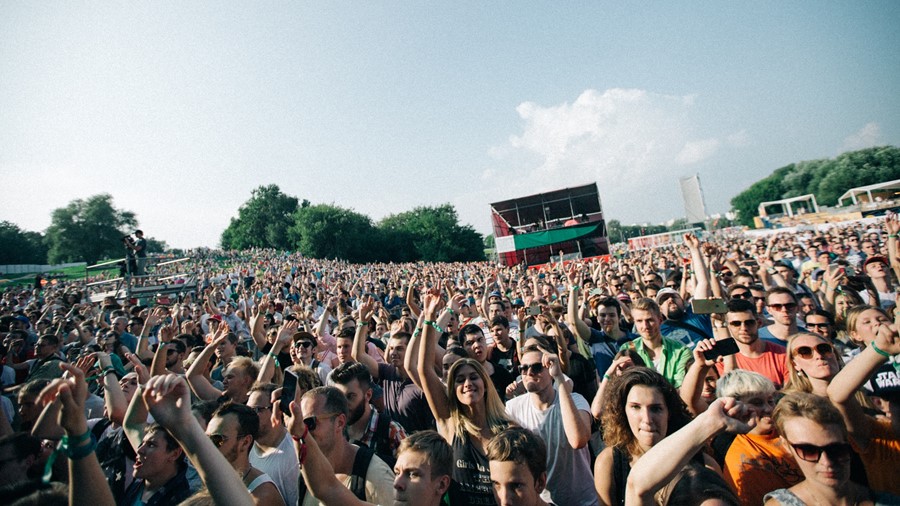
{"x": 495, "y": 414}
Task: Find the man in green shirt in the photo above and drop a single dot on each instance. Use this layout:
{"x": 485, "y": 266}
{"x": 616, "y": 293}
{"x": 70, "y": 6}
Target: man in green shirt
{"x": 668, "y": 357}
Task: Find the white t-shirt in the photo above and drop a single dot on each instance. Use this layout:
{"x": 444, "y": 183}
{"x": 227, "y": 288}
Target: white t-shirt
{"x": 569, "y": 478}
{"x": 281, "y": 464}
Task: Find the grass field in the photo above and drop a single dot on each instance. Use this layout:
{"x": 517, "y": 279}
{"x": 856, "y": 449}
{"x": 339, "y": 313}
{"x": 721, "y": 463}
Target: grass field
{"x": 27, "y": 278}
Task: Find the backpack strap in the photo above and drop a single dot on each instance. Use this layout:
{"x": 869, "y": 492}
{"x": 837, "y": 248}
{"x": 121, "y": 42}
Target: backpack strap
{"x": 382, "y": 433}
{"x": 360, "y": 469}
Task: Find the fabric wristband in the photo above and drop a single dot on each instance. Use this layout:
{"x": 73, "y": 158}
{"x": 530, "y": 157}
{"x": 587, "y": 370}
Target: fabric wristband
{"x": 879, "y": 350}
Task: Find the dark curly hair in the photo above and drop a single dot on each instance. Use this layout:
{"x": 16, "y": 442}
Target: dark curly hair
{"x": 616, "y": 430}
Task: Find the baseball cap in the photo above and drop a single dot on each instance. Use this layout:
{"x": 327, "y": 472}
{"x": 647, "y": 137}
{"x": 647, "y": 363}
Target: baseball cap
{"x": 495, "y": 293}
{"x": 665, "y": 293}
{"x": 875, "y": 258}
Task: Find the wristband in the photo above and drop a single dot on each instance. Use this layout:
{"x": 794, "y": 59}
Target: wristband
{"x": 109, "y": 370}
{"x": 574, "y": 288}
{"x": 416, "y": 332}
{"x": 80, "y": 452}
{"x": 606, "y": 376}
{"x": 273, "y": 355}
{"x": 362, "y": 324}
{"x": 892, "y": 236}
{"x": 450, "y": 310}
{"x": 436, "y": 327}
{"x": 879, "y": 350}
{"x": 77, "y": 440}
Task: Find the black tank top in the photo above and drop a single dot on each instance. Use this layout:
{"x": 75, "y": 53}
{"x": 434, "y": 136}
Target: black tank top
{"x": 472, "y": 475}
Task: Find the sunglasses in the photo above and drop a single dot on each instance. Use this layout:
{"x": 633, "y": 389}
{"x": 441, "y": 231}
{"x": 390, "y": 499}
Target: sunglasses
{"x": 532, "y": 369}
{"x": 260, "y": 409}
{"x": 782, "y": 307}
{"x": 818, "y": 325}
{"x": 742, "y": 323}
{"x": 303, "y": 344}
{"x": 740, "y": 295}
{"x": 812, "y": 453}
{"x": 219, "y": 439}
{"x": 823, "y": 349}
{"x": 312, "y": 422}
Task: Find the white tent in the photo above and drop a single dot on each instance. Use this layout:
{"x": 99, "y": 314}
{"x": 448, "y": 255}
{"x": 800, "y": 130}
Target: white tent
{"x": 867, "y": 190}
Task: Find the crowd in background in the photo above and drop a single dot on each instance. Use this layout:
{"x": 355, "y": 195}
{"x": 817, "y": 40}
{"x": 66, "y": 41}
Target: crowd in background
{"x": 728, "y": 369}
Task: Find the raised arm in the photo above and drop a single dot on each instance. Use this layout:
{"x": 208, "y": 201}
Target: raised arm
{"x": 257, "y": 330}
{"x": 892, "y": 225}
{"x": 169, "y": 401}
{"x": 576, "y": 423}
{"x": 661, "y": 463}
{"x": 359, "y": 339}
{"x": 435, "y": 392}
{"x": 196, "y": 374}
{"x": 701, "y": 272}
{"x": 270, "y": 361}
{"x": 692, "y": 387}
{"x": 87, "y": 483}
{"x": 849, "y": 380}
{"x": 317, "y": 471}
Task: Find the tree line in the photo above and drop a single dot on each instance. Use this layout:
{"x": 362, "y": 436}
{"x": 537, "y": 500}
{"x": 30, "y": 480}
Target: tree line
{"x": 827, "y": 179}
{"x": 272, "y": 219}
{"x": 90, "y": 230}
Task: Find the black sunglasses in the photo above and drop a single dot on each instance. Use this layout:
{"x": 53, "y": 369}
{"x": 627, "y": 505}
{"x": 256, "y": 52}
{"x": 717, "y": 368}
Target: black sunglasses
{"x": 812, "y": 453}
{"x": 303, "y": 344}
{"x": 740, "y": 295}
{"x": 219, "y": 439}
{"x": 823, "y": 349}
{"x": 312, "y": 422}
{"x": 781, "y": 307}
{"x": 824, "y": 325}
{"x": 744, "y": 323}
{"x": 535, "y": 368}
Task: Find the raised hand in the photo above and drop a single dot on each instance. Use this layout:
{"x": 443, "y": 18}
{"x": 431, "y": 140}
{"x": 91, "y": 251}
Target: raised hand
{"x": 70, "y": 392}
{"x": 691, "y": 241}
{"x": 702, "y": 346}
{"x": 168, "y": 399}
{"x": 139, "y": 368}
{"x": 734, "y": 415}
{"x": 551, "y": 363}
{"x": 887, "y": 339}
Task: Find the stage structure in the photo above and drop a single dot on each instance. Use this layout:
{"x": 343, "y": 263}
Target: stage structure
{"x": 533, "y": 229}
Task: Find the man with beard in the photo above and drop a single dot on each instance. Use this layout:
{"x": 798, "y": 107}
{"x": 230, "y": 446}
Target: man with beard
{"x": 233, "y": 428}
{"x": 366, "y": 426}
{"x": 273, "y": 451}
{"x": 754, "y": 354}
{"x": 403, "y": 400}
{"x": 563, "y": 419}
{"x": 681, "y": 324}
{"x": 472, "y": 339}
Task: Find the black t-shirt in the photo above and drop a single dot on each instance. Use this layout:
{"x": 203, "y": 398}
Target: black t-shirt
{"x": 404, "y": 401}
{"x": 501, "y": 379}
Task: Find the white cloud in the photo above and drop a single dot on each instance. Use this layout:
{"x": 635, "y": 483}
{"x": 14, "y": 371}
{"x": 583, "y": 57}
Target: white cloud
{"x": 697, "y": 151}
{"x": 739, "y": 139}
{"x": 867, "y": 136}
{"x": 631, "y": 142}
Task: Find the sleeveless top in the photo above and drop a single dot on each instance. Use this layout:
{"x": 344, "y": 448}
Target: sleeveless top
{"x": 787, "y": 498}
{"x": 472, "y": 474}
{"x": 259, "y": 480}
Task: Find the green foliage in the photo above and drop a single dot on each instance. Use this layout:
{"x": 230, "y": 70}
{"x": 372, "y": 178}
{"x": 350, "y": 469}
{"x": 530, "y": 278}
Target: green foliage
{"x": 827, "y": 179}
{"x": 433, "y": 234}
{"x": 155, "y": 245}
{"x": 263, "y": 221}
{"x": 489, "y": 241}
{"x": 88, "y": 230}
{"x": 19, "y": 246}
{"x": 616, "y": 232}
{"x": 328, "y": 231}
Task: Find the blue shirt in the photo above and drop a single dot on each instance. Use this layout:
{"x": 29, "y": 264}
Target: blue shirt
{"x": 688, "y": 331}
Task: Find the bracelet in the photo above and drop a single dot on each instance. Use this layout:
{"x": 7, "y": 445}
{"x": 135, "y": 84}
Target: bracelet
{"x": 606, "y": 376}
{"x": 362, "y": 324}
{"x": 417, "y": 332}
{"x": 879, "y": 350}
{"x": 273, "y": 355}
{"x": 892, "y": 236}
{"x": 574, "y": 288}
{"x": 77, "y": 440}
{"x": 109, "y": 370}
{"x": 436, "y": 327}
{"x": 450, "y": 310}
{"x": 80, "y": 452}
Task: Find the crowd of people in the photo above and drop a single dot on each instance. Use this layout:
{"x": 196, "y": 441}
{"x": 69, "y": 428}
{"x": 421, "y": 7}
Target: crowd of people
{"x": 732, "y": 370}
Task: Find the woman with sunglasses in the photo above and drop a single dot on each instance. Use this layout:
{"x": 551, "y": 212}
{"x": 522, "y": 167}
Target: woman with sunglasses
{"x": 468, "y": 410}
{"x": 640, "y": 409}
{"x": 814, "y": 432}
{"x": 812, "y": 363}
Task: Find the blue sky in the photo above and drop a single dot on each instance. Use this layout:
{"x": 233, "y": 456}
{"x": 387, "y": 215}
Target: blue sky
{"x": 180, "y": 109}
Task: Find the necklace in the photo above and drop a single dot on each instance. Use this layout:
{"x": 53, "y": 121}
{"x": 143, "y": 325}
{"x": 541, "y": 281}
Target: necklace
{"x": 247, "y": 472}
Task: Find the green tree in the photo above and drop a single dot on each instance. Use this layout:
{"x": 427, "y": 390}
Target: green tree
{"x": 263, "y": 221}
{"x": 88, "y": 230}
{"x": 434, "y": 234}
{"x": 827, "y": 179}
{"x": 19, "y": 246}
{"x": 328, "y": 231}
{"x": 489, "y": 241}
{"x": 156, "y": 246}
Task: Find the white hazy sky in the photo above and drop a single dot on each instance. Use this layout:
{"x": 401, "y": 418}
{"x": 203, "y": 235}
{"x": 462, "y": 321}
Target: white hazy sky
{"x": 180, "y": 109}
